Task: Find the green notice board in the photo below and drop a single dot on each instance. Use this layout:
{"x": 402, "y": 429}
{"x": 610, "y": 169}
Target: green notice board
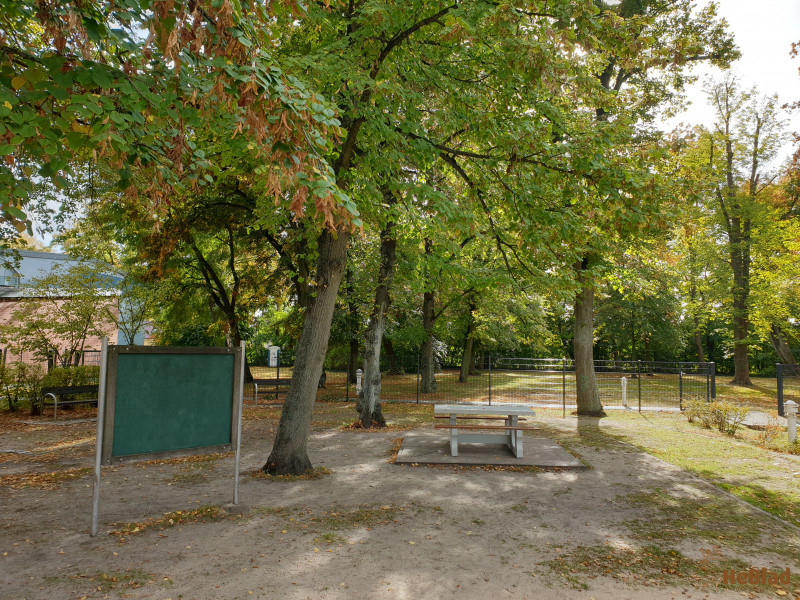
{"x": 165, "y": 401}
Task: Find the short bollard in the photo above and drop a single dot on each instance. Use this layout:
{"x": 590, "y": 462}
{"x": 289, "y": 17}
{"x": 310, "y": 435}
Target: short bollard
{"x": 790, "y": 408}
{"x": 359, "y": 373}
{"x": 624, "y": 382}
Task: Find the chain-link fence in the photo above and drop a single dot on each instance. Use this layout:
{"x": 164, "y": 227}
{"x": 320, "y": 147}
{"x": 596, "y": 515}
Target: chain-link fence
{"x": 788, "y": 384}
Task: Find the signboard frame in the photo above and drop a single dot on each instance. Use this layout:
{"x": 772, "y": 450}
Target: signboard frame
{"x": 107, "y": 398}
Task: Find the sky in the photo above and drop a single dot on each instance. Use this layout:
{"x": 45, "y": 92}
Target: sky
{"x": 764, "y": 31}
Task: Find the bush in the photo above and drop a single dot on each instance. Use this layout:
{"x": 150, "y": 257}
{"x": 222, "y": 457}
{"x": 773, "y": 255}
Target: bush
{"x": 728, "y": 416}
{"x": 61, "y": 377}
{"x": 68, "y": 376}
{"x": 20, "y": 382}
{"x": 694, "y": 408}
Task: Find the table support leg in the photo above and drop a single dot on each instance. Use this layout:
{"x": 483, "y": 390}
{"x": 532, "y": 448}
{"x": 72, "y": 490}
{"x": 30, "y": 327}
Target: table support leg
{"x": 453, "y": 437}
{"x": 515, "y": 436}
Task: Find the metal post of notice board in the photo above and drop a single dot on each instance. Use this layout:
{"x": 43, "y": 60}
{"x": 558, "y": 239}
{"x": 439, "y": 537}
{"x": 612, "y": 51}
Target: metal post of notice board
{"x": 239, "y": 428}
{"x": 101, "y": 410}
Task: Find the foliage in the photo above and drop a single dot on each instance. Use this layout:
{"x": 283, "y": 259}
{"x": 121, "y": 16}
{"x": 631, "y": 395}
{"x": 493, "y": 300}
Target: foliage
{"x": 72, "y": 376}
{"x": 694, "y": 408}
{"x": 725, "y": 415}
{"x": 139, "y": 83}
{"x": 20, "y": 382}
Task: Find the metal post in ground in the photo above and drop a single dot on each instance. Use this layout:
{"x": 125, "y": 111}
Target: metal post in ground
{"x": 490, "y": 380}
{"x": 713, "y": 381}
{"x": 347, "y": 380}
{"x": 639, "y": 380}
{"x": 779, "y": 375}
{"x": 680, "y": 388}
{"x": 708, "y": 385}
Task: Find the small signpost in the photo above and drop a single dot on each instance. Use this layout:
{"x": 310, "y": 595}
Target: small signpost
{"x": 158, "y": 402}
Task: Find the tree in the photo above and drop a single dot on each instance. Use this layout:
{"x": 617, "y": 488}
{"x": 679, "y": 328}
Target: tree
{"x": 372, "y": 59}
{"x": 368, "y": 405}
{"x": 60, "y": 310}
{"x": 78, "y": 80}
{"x": 664, "y": 39}
{"x": 745, "y": 138}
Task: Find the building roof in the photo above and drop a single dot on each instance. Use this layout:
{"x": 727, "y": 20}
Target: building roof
{"x": 31, "y": 264}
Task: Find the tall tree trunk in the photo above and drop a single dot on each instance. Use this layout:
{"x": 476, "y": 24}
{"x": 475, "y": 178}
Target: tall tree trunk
{"x": 352, "y": 360}
{"x": 740, "y": 261}
{"x": 588, "y": 398}
{"x": 391, "y": 357}
{"x": 352, "y": 321}
{"x": 428, "y": 376}
{"x": 698, "y": 345}
{"x": 466, "y": 356}
{"x": 289, "y": 451}
{"x": 781, "y": 347}
{"x": 233, "y": 338}
{"x": 368, "y": 405}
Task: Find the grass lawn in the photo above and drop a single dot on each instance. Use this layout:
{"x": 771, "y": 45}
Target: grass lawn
{"x": 765, "y": 478}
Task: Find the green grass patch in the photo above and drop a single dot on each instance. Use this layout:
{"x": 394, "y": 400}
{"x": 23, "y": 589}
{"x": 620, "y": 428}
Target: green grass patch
{"x": 737, "y": 465}
{"x": 711, "y": 518}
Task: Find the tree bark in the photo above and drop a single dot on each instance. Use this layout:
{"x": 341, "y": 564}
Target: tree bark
{"x": 353, "y": 325}
{"x": 466, "y": 356}
{"x": 428, "y": 377}
{"x": 427, "y": 383}
{"x": 368, "y": 405}
{"x": 740, "y": 261}
{"x": 289, "y": 451}
{"x": 391, "y": 357}
{"x": 782, "y": 349}
{"x": 698, "y": 345}
{"x": 588, "y": 398}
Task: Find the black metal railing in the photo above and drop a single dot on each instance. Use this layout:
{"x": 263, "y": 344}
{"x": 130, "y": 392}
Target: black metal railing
{"x": 639, "y": 385}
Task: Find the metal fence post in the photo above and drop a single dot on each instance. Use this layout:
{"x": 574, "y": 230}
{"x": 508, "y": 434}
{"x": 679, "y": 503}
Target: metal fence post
{"x": 639, "y": 380}
{"x": 490, "y": 380}
{"x": 708, "y": 384}
{"x": 779, "y": 375}
{"x": 680, "y": 389}
{"x": 713, "y": 381}
{"x": 347, "y": 380}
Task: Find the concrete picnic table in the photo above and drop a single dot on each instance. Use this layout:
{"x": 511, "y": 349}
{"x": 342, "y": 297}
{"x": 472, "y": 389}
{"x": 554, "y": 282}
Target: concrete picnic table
{"x": 511, "y": 429}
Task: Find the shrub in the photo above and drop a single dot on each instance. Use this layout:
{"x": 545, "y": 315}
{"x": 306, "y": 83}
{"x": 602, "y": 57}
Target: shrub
{"x": 694, "y": 408}
{"x": 728, "y": 416}
{"x": 770, "y": 432}
{"x": 20, "y": 382}
{"x": 69, "y": 376}
{"x": 82, "y": 375}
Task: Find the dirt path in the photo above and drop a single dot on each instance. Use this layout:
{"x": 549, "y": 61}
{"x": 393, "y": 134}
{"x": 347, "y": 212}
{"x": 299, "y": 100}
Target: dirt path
{"x": 631, "y": 526}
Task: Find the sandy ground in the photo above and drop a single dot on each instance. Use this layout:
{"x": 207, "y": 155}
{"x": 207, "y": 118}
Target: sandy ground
{"x": 369, "y": 529}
